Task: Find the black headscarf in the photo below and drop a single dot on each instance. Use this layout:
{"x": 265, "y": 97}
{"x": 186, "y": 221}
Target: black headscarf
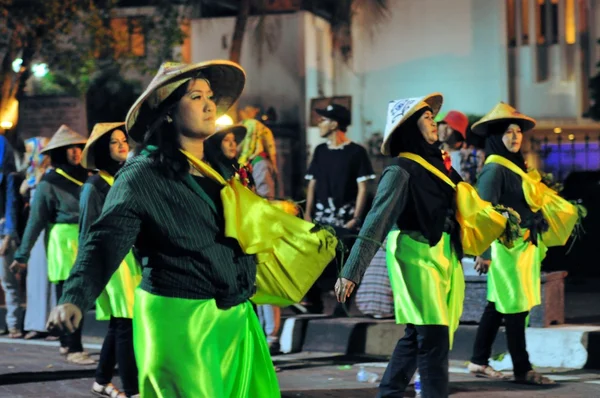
{"x": 58, "y": 158}
{"x": 214, "y": 155}
{"x": 102, "y": 156}
{"x": 495, "y": 146}
{"x": 432, "y": 201}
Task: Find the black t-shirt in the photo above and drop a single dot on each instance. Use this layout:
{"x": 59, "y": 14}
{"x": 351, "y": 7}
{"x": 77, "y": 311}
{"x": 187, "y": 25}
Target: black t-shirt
{"x": 337, "y": 172}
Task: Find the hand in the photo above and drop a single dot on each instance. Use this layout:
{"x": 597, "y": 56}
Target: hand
{"x": 65, "y": 316}
{"x": 351, "y": 225}
{"x": 343, "y": 289}
{"x": 481, "y": 265}
{"x": 5, "y": 244}
{"x": 17, "y": 267}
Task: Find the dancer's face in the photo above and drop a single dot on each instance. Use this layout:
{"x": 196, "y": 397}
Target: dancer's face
{"x": 513, "y": 138}
{"x": 195, "y": 114}
{"x": 74, "y": 155}
{"x": 229, "y": 146}
{"x": 118, "y": 146}
{"x": 428, "y": 127}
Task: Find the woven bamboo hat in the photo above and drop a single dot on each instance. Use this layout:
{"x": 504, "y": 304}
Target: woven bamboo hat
{"x": 64, "y": 136}
{"x": 88, "y": 160}
{"x": 400, "y": 110}
{"x": 227, "y": 80}
{"x": 503, "y": 112}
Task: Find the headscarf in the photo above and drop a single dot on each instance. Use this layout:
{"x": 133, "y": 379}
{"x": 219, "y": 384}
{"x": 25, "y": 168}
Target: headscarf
{"x": 259, "y": 140}
{"x": 33, "y": 147}
{"x": 215, "y": 156}
{"x": 495, "y": 146}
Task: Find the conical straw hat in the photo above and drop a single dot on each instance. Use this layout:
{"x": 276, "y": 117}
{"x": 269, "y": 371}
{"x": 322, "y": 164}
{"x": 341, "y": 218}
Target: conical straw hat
{"x": 88, "y": 160}
{"x": 400, "y": 110}
{"x": 63, "y": 137}
{"x": 503, "y": 112}
{"x": 226, "y": 79}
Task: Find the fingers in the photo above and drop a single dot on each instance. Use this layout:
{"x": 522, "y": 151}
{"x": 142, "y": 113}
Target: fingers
{"x": 77, "y": 319}
{"x": 65, "y": 319}
{"x": 53, "y": 323}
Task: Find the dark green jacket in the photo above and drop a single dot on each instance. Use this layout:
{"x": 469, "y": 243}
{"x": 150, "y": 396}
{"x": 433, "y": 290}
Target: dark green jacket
{"x": 179, "y": 231}
{"x": 56, "y": 201}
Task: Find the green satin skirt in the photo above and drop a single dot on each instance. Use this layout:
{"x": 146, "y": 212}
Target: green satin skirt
{"x": 427, "y": 282}
{"x": 61, "y": 251}
{"x": 514, "y": 276}
{"x": 116, "y": 299}
{"x": 191, "y": 349}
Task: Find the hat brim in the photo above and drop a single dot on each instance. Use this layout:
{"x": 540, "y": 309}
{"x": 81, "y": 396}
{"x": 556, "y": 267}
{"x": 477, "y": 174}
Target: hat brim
{"x": 88, "y": 160}
{"x": 49, "y": 148}
{"x": 226, "y": 78}
{"x": 481, "y": 128}
{"x": 238, "y": 131}
{"x": 324, "y": 113}
{"x": 434, "y": 101}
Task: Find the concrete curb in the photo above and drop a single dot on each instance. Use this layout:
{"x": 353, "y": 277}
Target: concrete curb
{"x": 564, "y": 346}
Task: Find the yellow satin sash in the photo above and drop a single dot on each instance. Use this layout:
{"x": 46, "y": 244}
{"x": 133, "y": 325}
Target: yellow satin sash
{"x": 560, "y": 215}
{"x": 68, "y": 177}
{"x": 110, "y": 180}
{"x": 480, "y": 223}
{"x": 291, "y": 253}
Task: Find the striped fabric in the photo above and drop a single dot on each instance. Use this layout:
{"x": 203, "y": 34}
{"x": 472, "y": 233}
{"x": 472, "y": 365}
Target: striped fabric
{"x": 374, "y": 295}
{"x": 177, "y": 226}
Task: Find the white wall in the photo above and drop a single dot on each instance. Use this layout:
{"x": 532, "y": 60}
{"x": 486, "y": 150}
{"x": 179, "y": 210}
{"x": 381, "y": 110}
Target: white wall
{"x": 455, "y": 47}
{"x": 279, "y": 80}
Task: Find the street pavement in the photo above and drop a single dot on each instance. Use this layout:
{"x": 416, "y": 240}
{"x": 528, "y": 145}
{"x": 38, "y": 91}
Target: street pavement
{"x": 35, "y": 369}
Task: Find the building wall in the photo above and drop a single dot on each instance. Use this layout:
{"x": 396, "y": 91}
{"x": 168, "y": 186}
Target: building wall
{"x": 276, "y": 80}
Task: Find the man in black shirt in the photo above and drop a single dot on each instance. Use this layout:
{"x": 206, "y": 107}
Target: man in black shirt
{"x": 337, "y": 188}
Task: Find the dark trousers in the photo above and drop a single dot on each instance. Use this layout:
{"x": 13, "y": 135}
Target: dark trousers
{"x": 70, "y": 340}
{"x": 328, "y": 278}
{"x": 515, "y": 338}
{"x": 425, "y": 347}
{"x": 118, "y": 349}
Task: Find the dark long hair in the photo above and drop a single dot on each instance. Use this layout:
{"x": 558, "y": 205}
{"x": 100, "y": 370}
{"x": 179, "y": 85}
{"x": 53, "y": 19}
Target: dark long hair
{"x": 213, "y": 154}
{"x": 164, "y": 136}
{"x": 102, "y": 156}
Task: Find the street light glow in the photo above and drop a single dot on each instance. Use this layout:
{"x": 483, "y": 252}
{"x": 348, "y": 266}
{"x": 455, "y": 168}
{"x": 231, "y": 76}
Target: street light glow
{"x": 6, "y": 125}
{"x": 16, "y": 65}
{"x": 224, "y": 121}
{"x": 40, "y": 70}
{"x": 557, "y": 130}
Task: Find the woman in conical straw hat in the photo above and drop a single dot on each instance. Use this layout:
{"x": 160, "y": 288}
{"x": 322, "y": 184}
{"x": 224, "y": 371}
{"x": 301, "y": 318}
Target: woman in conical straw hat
{"x": 417, "y": 199}
{"x": 514, "y": 274}
{"x": 55, "y": 208}
{"x": 195, "y": 332}
{"x": 106, "y": 151}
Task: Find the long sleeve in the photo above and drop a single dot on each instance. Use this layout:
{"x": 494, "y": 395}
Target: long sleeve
{"x": 388, "y": 205}
{"x": 107, "y": 242}
{"x": 40, "y": 215}
{"x": 90, "y": 208}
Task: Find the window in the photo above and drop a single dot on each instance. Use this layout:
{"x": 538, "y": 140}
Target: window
{"x": 525, "y": 22}
{"x": 129, "y": 36}
{"x": 547, "y": 21}
{"x": 570, "y": 23}
{"x": 511, "y": 17}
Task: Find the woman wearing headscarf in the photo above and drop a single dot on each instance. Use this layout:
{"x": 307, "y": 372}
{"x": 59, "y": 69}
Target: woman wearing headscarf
{"x": 55, "y": 208}
{"x": 514, "y": 274}
{"x": 41, "y": 293}
{"x": 195, "y": 332}
{"x": 417, "y": 198}
{"x": 106, "y": 151}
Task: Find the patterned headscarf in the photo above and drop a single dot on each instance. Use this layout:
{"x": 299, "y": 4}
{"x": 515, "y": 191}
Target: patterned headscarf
{"x": 34, "y": 147}
{"x": 259, "y": 139}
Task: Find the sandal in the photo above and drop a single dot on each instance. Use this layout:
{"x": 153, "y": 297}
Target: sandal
{"x": 80, "y": 358}
{"x": 33, "y": 335}
{"x": 534, "y": 378}
{"x": 108, "y": 390}
{"x": 486, "y": 371}
{"x": 14, "y": 333}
